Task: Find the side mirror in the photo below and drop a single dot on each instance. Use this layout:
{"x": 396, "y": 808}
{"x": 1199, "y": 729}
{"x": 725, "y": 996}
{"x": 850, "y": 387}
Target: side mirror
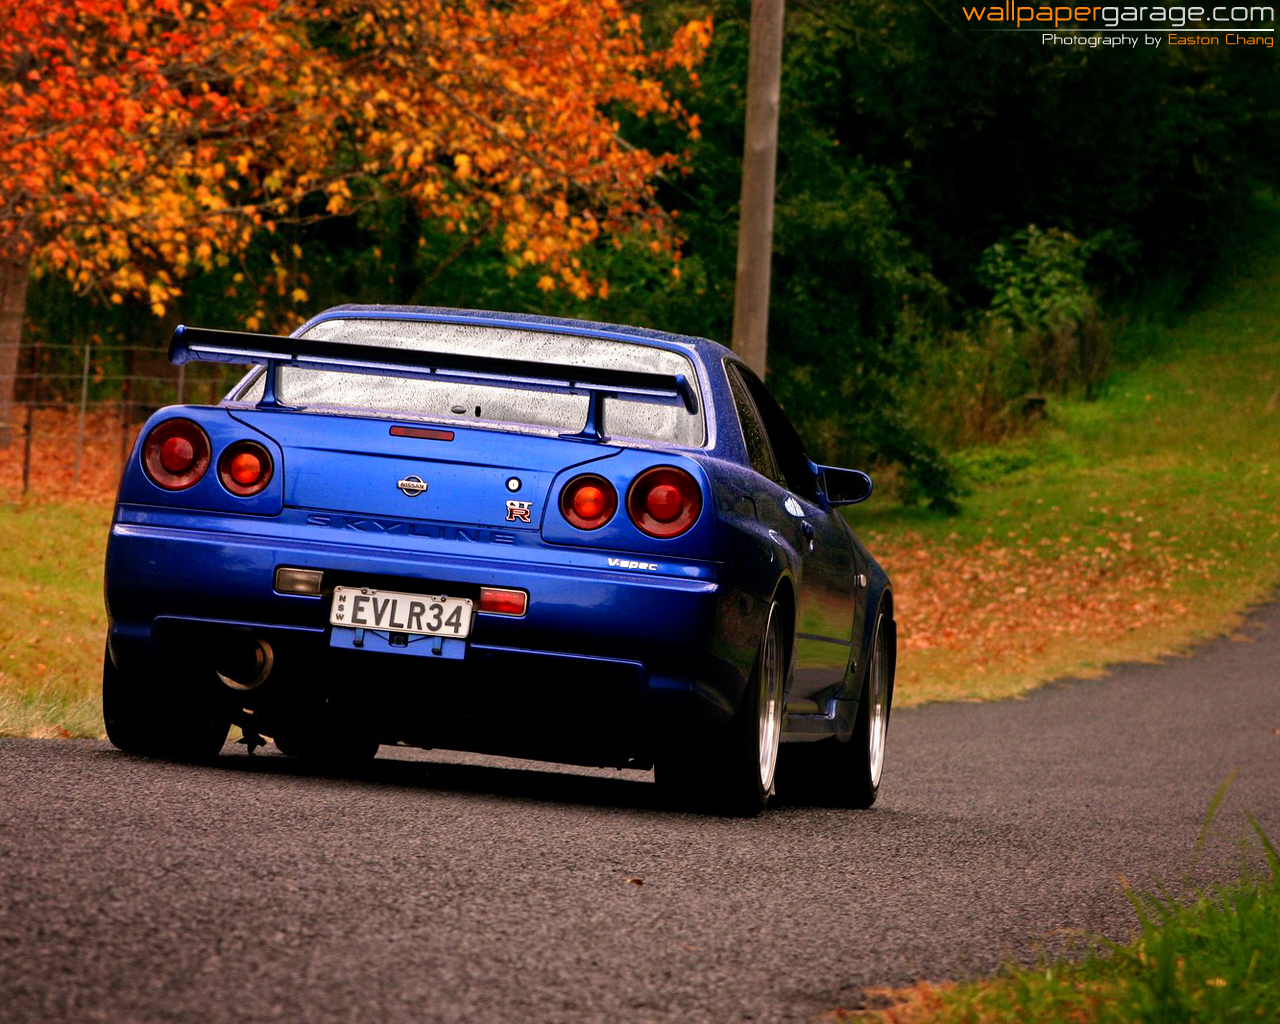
{"x": 845, "y": 486}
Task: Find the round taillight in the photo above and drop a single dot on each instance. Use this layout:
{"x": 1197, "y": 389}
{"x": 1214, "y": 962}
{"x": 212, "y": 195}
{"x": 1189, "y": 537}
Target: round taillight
{"x": 176, "y": 454}
{"x": 588, "y": 502}
{"x": 245, "y": 468}
{"x": 664, "y": 502}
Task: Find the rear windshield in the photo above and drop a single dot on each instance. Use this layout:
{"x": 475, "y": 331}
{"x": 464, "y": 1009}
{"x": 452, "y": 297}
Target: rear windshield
{"x": 443, "y": 400}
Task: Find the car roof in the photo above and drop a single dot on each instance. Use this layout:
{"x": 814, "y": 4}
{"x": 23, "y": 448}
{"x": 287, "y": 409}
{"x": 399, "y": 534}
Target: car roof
{"x": 708, "y": 351}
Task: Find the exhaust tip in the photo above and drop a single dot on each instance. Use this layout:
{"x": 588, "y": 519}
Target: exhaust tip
{"x": 246, "y": 666}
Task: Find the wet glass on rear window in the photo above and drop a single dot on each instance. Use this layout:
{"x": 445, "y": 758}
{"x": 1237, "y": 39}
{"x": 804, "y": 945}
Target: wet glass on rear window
{"x": 442, "y": 400}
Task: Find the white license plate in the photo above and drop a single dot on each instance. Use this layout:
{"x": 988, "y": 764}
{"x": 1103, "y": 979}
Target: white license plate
{"x": 364, "y": 608}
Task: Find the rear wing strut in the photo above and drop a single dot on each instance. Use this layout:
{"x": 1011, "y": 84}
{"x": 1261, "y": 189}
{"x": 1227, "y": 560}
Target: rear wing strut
{"x": 199, "y": 344}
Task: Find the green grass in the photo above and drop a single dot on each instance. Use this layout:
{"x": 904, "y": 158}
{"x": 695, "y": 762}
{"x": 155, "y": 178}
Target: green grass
{"x": 1212, "y": 958}
{"x": 1171, "y": 476}
{"x": 52, "y": 632}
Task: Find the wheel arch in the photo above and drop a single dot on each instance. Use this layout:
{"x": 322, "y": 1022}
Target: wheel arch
{"x": 880, "y": 598}
{"x": 785, "y": 594}
{"x": 891, "y": 624}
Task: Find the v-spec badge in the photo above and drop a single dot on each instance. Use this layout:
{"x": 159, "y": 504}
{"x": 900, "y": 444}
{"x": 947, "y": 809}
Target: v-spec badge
{"x": 624, "y": 563}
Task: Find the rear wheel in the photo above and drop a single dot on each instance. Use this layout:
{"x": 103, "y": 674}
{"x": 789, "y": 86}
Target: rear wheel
{"x": 848, "y": 774}
{"x": 733, "y": 772}
{"x": 871, "y": 727}
{"x": 170, "y": 721}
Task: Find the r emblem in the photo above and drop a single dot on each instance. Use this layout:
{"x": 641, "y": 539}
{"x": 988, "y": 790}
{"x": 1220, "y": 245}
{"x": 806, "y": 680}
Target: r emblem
{"x": 519, "y": 511}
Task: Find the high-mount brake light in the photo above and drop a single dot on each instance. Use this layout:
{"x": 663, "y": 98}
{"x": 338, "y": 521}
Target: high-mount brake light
{"x": 176, "y": 454}
{"x": 588, "y": 502}
{"x": 502, "y": 601}
{"x": 245, "y": 468}
{"x": 664, "y": 502}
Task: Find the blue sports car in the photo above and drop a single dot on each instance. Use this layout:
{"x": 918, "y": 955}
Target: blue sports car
{"x": 544, "y": 538}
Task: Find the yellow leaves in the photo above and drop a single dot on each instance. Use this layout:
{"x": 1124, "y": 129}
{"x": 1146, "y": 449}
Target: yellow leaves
{"x": 546, "y": 283}
{"x": 298, "y": 295}
{"x": 462, "y": 165}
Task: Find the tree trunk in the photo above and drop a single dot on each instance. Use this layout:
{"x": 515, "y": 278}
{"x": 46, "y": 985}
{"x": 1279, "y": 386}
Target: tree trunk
{"x": 14, "y": 275}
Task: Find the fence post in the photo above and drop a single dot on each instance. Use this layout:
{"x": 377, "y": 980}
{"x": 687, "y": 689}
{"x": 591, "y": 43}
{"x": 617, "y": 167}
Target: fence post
{"x": 84, "y": 402}
{"x": 30, "y": 429}
{"x": 26, "y": 450}
{"x": 126, "y": 402}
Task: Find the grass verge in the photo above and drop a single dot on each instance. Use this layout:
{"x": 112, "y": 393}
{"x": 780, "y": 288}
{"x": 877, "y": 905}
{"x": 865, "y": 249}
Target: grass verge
{"x": 1215, "y": 958}
{"x": 52, "y": 635}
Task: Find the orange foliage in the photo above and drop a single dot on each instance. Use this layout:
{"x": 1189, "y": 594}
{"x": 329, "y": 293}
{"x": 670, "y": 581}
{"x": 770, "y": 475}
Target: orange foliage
{"x": 144, "y": 138}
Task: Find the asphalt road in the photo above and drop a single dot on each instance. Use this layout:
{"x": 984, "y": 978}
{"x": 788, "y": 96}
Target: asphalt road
{"x": 436, "y": 887}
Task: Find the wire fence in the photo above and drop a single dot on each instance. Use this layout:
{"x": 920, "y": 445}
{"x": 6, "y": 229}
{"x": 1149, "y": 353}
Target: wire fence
{"x": 77, "y": 409}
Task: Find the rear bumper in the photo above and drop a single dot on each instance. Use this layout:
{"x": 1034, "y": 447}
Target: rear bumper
{"x": 630, "y": 654}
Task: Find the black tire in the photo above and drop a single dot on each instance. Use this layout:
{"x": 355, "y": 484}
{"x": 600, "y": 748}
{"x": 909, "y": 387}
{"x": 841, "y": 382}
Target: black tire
{"x": 732, "y": 772}
{"x": 848, "y": 774}
{"x": 145, "y": 718}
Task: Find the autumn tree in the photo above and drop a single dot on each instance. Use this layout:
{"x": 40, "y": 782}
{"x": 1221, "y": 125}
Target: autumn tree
{"x": 144, "y": 140}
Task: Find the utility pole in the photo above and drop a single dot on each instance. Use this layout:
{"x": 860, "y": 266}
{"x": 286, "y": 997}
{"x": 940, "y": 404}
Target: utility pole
{"x": 759, "y": 165}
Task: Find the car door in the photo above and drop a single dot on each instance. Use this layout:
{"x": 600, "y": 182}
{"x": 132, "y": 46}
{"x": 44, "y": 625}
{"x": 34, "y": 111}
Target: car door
{"x": 826, "y": 571}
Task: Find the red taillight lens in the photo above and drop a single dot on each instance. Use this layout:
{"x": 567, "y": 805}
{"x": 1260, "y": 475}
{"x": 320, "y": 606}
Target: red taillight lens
{"x": 245, "y": 468}
{"x": 498, "y": 601}
{"x": 176, "y": 454}
{"x": 664, "y": 502}
{"x": 588, "y": 502}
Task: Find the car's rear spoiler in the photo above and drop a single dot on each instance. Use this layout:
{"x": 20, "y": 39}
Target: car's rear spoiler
{"x": 198, "y": 344}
